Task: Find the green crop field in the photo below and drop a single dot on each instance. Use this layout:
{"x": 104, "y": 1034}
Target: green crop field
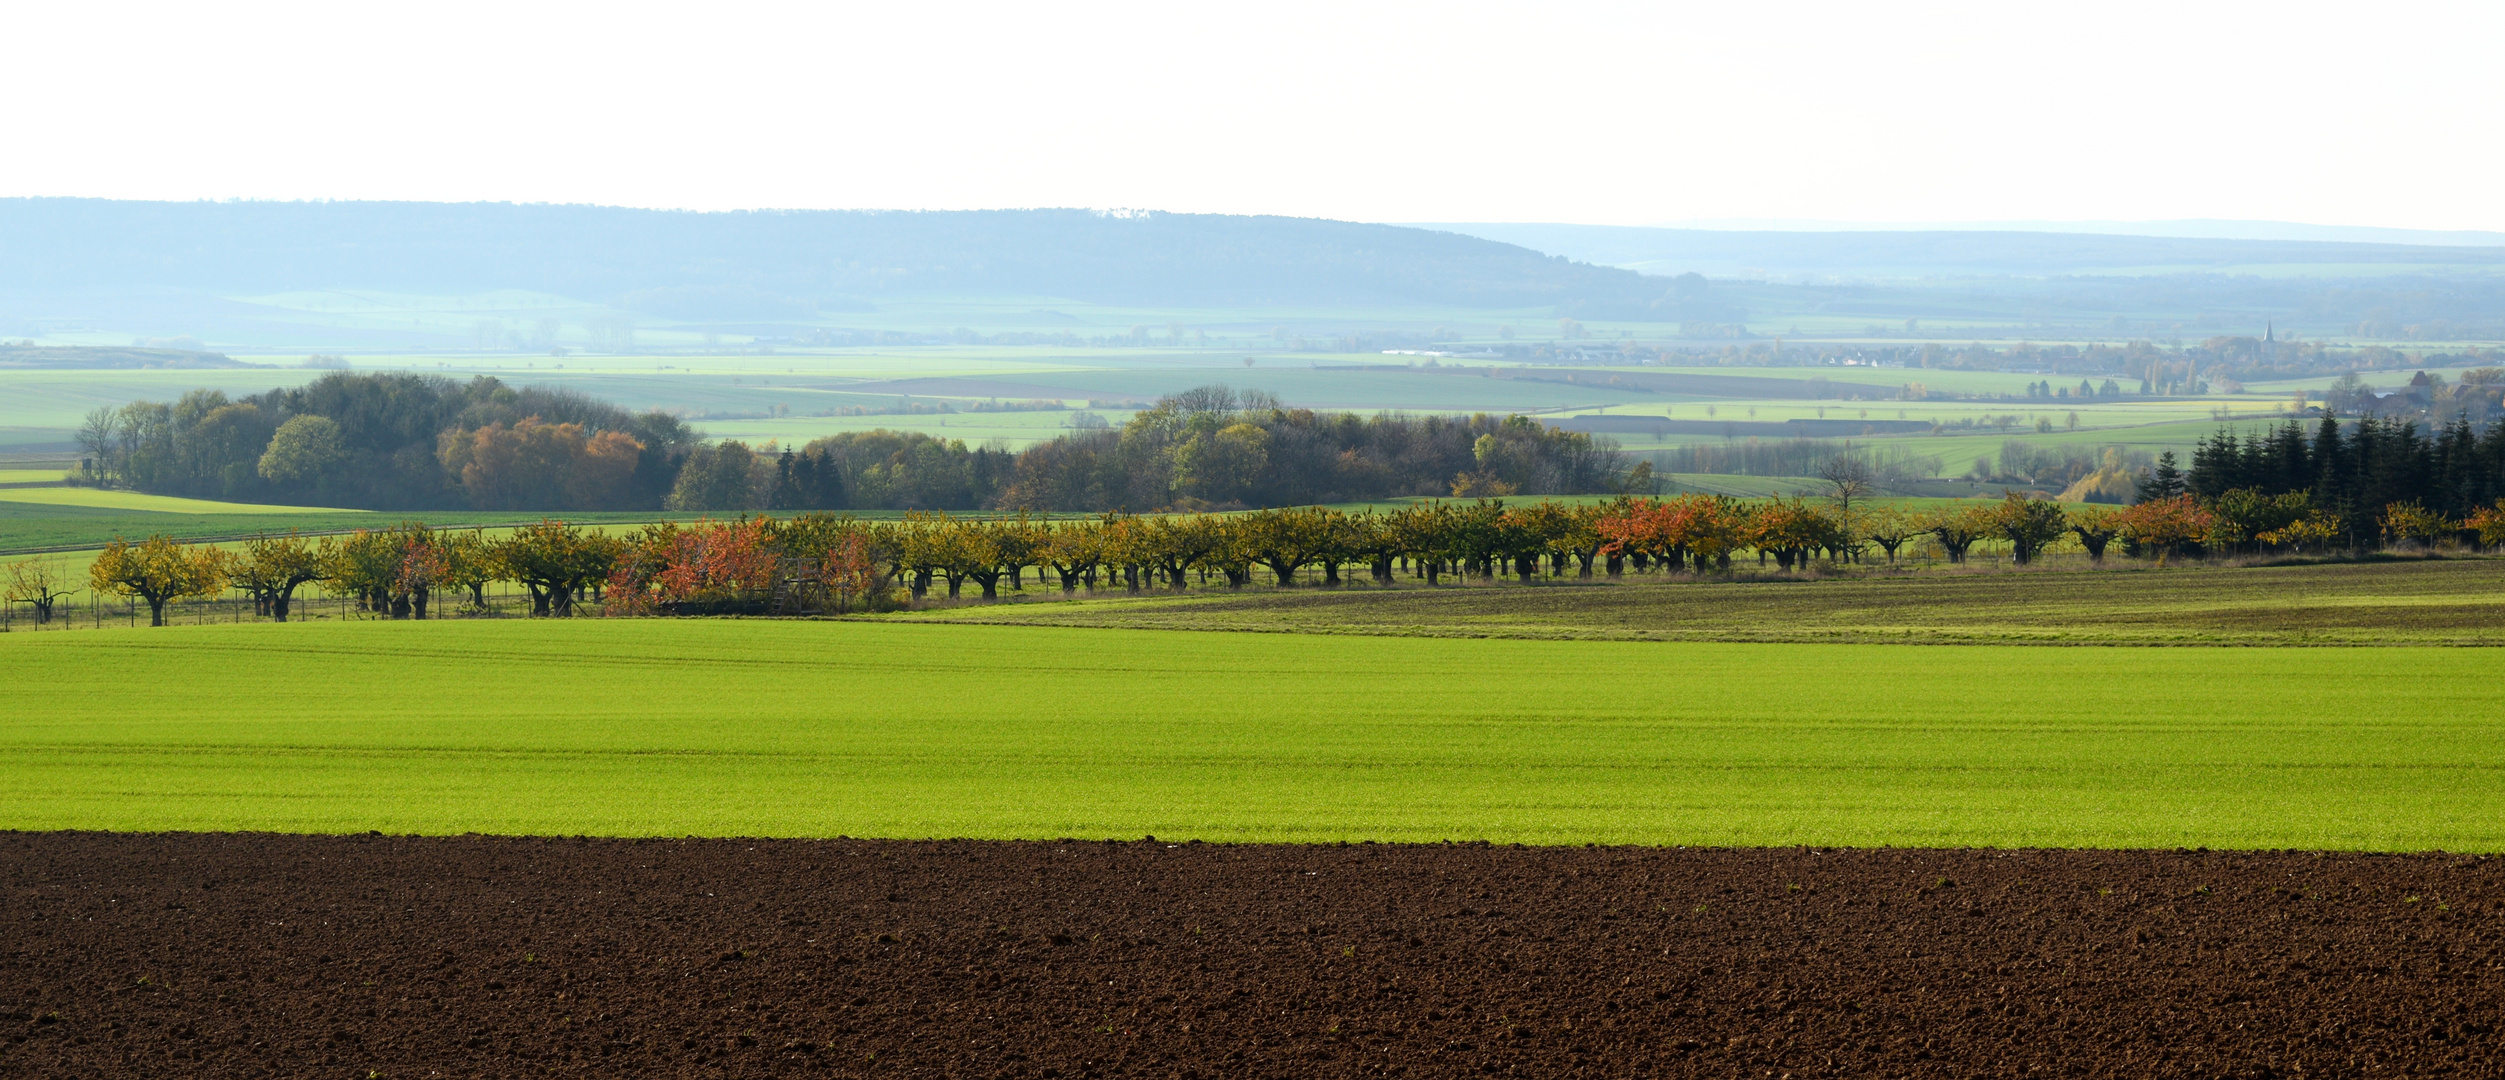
{"x": 29, "y": 527}
{"x": 103, "y": 499}
{"x": 731, "y": 727}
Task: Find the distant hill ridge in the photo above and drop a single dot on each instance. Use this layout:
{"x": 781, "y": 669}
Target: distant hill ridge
{"x": 1936, "y": 253}
{"x": 699, "y": 265}
{"x": 100, "y": 358}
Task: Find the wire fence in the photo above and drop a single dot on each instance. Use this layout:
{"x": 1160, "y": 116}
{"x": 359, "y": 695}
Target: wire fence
{"x": 87, "y": 610}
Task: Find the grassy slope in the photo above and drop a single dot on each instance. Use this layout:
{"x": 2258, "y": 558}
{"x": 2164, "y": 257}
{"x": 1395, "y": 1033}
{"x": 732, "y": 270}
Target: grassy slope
{"x": 26, "y": 527}
{"x": 105, "y": 499}
{"x": 2456, "y": 602}
{"x": 802, "y": 728}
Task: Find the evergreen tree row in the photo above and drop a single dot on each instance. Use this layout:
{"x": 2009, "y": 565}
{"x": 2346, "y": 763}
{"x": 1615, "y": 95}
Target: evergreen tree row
{"x": 2353, "y": 470}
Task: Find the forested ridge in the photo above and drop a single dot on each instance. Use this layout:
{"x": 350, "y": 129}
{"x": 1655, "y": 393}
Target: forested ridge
{"x": 776, "y": 263}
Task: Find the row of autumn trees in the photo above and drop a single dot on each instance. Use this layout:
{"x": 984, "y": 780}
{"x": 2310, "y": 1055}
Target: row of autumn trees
{"x": 397, "y": 572}
{"x": 831, "y": 563}
{"x": 419, "y": 442}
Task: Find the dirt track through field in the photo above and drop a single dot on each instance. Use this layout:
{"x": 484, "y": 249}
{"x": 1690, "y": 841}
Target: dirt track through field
{"x": 257, "y": 955}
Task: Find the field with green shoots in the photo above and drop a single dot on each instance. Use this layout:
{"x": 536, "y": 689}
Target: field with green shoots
{"x": 104, "y": 499}
{"x": 31, "y": 527}
{"x": 737, "y": 728}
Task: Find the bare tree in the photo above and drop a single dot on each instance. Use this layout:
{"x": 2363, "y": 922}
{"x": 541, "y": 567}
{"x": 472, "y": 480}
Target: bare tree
{"x": 1851, "y": 478}
{"x": 35, "y": 583}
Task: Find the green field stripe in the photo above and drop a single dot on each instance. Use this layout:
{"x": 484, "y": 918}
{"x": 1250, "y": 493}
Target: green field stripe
{"x": 734, "y": 727}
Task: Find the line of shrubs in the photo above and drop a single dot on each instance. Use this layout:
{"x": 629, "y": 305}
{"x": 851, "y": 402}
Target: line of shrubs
{"x": 823, "y": 563}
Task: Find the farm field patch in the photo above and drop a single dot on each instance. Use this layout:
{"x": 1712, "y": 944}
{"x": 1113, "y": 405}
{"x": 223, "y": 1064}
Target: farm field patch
{"x": 2437, "y": 602}
{"x": 108, "y": 499}
{"x": 789, "y": 728}
{"x": 251, "y": 956}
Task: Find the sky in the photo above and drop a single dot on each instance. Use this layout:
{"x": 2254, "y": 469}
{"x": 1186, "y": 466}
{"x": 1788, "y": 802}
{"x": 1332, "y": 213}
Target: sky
{"x": 1661, "y": 113}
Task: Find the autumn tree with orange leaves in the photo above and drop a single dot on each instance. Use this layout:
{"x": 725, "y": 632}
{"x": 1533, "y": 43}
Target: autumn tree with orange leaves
{"x": 2164, "y": 525}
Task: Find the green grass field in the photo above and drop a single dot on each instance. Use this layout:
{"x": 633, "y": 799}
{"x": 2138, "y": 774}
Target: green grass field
{"x": 821, "y": 728}
{"x": 105, "y": 499}
{"x": 28, "y": 527}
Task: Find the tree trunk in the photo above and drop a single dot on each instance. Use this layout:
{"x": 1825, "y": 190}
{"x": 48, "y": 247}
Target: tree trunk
{"x": 1617, "y": 565}
{"x": 1382, "y": 569}
{"x": 417, "y": 602}
{"x": 279, "y": 602}
{"x": 1330, "y": 572}
{"x": 156, "y": 610}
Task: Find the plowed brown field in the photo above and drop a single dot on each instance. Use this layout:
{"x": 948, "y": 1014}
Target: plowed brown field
{"x": 259, "y": 956}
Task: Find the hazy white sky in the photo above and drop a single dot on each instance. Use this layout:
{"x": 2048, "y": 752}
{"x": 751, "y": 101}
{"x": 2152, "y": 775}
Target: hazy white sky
{"x": 2364, "y": 114}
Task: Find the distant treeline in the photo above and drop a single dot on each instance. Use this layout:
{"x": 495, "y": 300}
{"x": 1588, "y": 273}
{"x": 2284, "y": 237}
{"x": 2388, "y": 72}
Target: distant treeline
{"x": 2142, "y": 368}
{"x": 1203, "y": 448}
{"x": 1793, "y": 457}
{"x": 416, "y": 442}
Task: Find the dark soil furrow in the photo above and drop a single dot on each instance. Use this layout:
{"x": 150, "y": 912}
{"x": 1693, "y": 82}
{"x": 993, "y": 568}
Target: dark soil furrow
{"x": 258, "y": 955}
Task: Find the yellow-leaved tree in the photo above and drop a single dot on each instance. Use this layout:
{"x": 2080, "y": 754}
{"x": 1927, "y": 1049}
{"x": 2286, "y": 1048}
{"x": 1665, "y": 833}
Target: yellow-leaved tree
{"x": 158, "y": 571}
